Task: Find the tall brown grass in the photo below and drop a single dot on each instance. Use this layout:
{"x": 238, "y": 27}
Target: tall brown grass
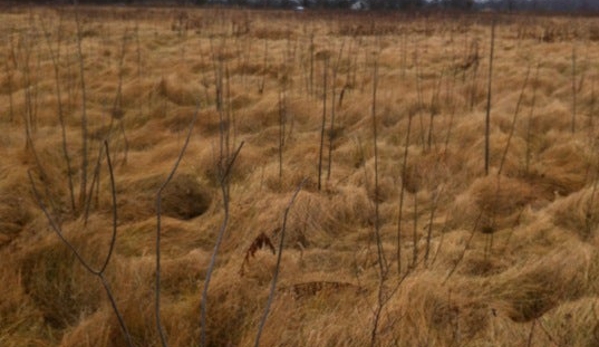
{"x": 404, "y": 158}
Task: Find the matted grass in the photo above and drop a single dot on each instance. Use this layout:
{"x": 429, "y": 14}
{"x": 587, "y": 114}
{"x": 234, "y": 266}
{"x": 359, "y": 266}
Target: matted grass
{"x": 508, "y": 259}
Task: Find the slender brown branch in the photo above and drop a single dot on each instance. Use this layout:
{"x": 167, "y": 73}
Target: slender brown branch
{"x": 402, "y": 192}
{"x": 84, "y": 133}
{"x": 98, "y": 273}
{"x": 489, "y": 86}
{"x": 273, "y": 284}
{"x": 158, "y": 227}
{"x": 115, "y": 308}
{"x": 332, "y": 134}
{"x": 282, "y": 118}
{"x": 54, "y": 225}
{"x": 114, "y": 208}
{"x": 574, "y": 90}
{"x": 429, "y": 233}
{"x": 530, "y": 116}
{"x": 55, "y": 56}
{"x": 463, "y": 254}
{"x": 219, "y": 239}
{"x": 324, "y": 120}
{"x": 95, "y": 180}
{"x": 377, "y": 223}
{"x": 111, "y": 250}
{"x": 513, "y": 125}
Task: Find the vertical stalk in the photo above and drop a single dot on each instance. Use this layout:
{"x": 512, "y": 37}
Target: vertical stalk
{"x": 275, "y": 276}
{"x": 55, "y": 56}
{"x": 429, "y": 234}
{"x": 224, "y": 186}
{"x": 377, "y": 227}
{"x": 419, "y": 101}
{"x": 159, "y": 326}
{"x": 574, "y": 90}
{"x": 282, "y": 116}
{"x": 488, "y": 115}
{"x": 530, "y": 115}
{"x": 265, "y": 67}
{"x": 84, "y": 135}
{"x": 415, "y": 232}
{"x": 324, "y": 120}
{"x": 513, "y": 125}
{"x": 332, "y": 125}
{"x": 9, "y": 74}
{"x": 402, "y": 193}
{"x": 434, "y": 110}
{"x": 311, "y": 91}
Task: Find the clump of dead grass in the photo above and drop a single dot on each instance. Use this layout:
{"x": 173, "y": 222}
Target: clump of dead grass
{"x": 540, "y": 286}
{"x": 577, "y": 213}
{"x": 57, "y": 284}
{"x": 491, "y": 202}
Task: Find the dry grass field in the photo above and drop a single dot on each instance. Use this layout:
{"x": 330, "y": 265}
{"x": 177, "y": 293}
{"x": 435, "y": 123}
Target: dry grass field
{"x": 398, "y": 236}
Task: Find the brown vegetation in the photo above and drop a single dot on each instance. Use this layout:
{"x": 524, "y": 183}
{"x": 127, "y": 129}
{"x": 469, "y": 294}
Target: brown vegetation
{"x": 507, "y": 258}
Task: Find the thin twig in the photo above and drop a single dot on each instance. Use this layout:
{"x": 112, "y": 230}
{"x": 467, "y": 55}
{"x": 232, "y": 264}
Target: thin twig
{"x": 55, "y": 56}
{"x": 324, "y": 119}
{"x": 530, "y": 335}
{"x": 95, "y": 180}
{"x": 97, "y": 273}
{"x": 221, "y": 233}
{"x": 459, "y": 260}
{"x": 530, "y": 117}
{"x": 84, "y": 132}
{"x": 574, "y": 90}
{"x": 332, "y": 123}
{"x": 54, "y": 225}
{"x": 111, "y": 249}
{"x": 114, "y": 209}
{"x": 158, "y": 227}
{"x": 489, "y": 88}
{"x": 377, "y": 223}
{"x": 551, "y": 338}
{"x": 115, "y": 308}
{"x": 278, "y": 265}
{"x": 403, "y": 175}
{"x": 513, "y": 125}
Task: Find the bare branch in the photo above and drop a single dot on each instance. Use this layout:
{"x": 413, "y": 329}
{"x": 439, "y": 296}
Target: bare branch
{"x": 219, "y": 239}
{"x": 273, "y": 284}
{"x": 158, "y": 228}
{"x": 100, "y": 273}
{"x": 114, "y": 209}
{"x": 54, "y": 225}
{"x": 488, "y": 116}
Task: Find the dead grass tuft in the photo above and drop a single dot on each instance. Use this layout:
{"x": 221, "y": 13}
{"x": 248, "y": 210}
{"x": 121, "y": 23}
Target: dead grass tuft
{"x": 491, "y": 202}
{"x": 541, "y": 286}
{"x": 57, "y": 284}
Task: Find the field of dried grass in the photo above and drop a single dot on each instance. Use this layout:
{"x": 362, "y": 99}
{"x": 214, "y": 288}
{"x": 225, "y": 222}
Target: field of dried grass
{"x": 396, "y": 239}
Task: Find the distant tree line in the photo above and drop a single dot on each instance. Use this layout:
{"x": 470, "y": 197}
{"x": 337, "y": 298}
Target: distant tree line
{"x": 497, "y": 5}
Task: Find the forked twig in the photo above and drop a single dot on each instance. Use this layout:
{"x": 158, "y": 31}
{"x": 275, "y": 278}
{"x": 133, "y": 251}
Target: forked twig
{"x": 98, "y": 273}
